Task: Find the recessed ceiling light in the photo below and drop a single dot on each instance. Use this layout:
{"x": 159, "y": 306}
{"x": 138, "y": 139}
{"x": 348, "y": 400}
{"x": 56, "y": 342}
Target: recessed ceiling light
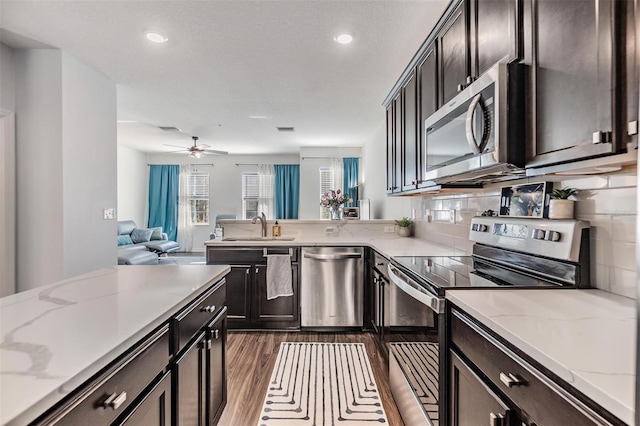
{"x": 344, "y": 38}
{"x": 155, "y": 37}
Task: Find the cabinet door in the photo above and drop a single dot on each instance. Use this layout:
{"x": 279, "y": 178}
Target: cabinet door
{"x": 397, "y": 143}
{"x": 573, "y": 79}
{"x": 239, "y": 295}
{"x": 216, "y": 368}
{"x": 281, "y": 311}
{"x": 454, "y": 53}
{"x": 390, "y": 140}
{"x": 493, "y": 33}
{"x": 410, "y": 139}
{"x": 155, "y": 407}
{"x": 189, "y": 377}
{"x": 427, "y": 102}
{"x": 471, "y": 402}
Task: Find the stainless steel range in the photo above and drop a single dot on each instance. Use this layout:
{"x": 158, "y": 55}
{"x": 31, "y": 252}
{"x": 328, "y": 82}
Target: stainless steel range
{"x": 508, "y": 253}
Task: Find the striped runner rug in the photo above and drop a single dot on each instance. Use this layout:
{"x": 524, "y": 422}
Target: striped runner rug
{"x": 322, "y": 384}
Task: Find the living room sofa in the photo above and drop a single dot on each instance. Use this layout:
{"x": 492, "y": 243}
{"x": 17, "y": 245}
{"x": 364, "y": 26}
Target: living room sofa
{"x": 141, "y": 246}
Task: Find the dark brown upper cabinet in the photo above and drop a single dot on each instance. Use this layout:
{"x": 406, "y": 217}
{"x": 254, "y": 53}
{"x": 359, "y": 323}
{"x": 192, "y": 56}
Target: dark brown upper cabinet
{"x": 410, "y": 134}
{"x": 427, "y": 75}
{"x": 398, "y": 140}
{"x": 453, "y": 47}
{"x": 571, "y": 47}
{"x": 390, "y": 144}
{"x": 494, "y": 34}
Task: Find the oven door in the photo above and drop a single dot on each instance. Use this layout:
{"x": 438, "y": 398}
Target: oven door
{"x": 416, "y": 360}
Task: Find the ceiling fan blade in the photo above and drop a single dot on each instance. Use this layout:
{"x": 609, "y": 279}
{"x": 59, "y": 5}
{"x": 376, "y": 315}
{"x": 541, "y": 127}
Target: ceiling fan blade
{"x": 176, "y": 146}
{"x": 213, "y": 151}
{"x": 201, "y": 147}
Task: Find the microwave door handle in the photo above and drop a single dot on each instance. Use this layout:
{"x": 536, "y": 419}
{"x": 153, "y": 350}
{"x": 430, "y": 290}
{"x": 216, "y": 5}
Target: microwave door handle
{"x": 471, "y": 138}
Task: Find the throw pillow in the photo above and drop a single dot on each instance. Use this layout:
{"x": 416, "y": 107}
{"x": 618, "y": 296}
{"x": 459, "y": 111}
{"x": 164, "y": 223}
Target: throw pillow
{"x": 124, "y": 240}
{"x": 157, "y": 233}
{"x": 141, "y": 235}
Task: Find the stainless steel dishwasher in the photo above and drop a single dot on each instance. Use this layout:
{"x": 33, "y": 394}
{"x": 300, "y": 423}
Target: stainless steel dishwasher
{"x": 331, "y": 287}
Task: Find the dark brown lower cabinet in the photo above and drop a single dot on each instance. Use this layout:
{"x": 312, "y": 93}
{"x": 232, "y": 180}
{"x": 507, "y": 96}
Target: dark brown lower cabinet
{"x": 471, "y": 402}
{"x": 200, "y": 376}
{"x": 155, "y": 408}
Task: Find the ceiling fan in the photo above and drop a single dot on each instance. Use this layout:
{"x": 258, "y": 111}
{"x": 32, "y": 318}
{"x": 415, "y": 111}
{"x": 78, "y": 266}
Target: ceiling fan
{"x": 196, "y": 150}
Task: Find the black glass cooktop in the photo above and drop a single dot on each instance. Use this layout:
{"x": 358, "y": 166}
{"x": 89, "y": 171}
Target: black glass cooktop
{"x": 445, "y": 272}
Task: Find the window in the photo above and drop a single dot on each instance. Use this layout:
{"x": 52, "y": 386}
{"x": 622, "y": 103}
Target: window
{"x": 198, "y": 198}
{"x": 326, "y": 184}
{"x": 250, "y": 192}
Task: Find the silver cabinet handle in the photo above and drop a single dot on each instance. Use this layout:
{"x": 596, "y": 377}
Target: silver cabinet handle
{"x": 340, "y": 256}
{"x": 114, "y": 400}
{"x": 476, "y": 147}
{"x": 510, "y": 380}
{"x": 208, "y": 309}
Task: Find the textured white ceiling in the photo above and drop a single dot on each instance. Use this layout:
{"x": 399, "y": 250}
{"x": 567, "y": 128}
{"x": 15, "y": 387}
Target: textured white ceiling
{"x": 228, "y": 60}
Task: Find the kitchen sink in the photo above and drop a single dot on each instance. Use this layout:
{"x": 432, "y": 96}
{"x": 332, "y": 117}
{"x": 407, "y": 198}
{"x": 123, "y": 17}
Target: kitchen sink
{"x": 258, "y": 239}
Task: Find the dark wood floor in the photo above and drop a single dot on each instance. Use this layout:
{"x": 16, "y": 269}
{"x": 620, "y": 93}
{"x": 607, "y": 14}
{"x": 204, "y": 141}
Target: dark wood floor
{"x": 252, "y": 355}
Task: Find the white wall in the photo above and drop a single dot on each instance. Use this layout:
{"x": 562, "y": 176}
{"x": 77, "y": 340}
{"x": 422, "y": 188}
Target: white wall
{"x": 225, "y": 180}
{"x": 88, "y": 133}
{"x": 65, "y": 120}
{"x": 374, "y": 174}
{"x": 132, "y": 185}
{"x": 7, "y": 79}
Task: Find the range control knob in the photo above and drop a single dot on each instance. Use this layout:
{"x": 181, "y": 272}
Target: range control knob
{"x": 552, "y": 236}
{"x": 538, "y": 234}
{"x": 479, "y": 227}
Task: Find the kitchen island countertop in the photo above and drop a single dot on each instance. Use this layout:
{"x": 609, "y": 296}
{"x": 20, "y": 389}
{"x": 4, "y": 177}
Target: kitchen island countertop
{"x": 55, "y": 337}
{"x": 586, "y": 337}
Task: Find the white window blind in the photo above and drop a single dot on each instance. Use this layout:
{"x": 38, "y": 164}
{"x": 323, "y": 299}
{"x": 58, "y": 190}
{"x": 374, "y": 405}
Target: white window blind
{"x": 250, "y": 193}
{"x": 326, "y": 185}
{"x": 199, "y": 198}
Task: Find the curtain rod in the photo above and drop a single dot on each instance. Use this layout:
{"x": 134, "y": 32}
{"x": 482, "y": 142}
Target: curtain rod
{"x": 325, "y": 158}
{"x": 192, "y": 165}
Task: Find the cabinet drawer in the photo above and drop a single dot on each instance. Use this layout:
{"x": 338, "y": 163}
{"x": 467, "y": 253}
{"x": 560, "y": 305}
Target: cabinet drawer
{"x": 540, "y": 400}
{"x": 235, "y": 255}
{"x": 188, "y": 322}
{"x": 380, "y": 263}
{"x": 121, "y": 384}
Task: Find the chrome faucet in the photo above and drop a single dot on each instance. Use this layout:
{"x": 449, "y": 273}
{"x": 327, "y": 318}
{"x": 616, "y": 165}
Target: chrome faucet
{"x": 263, "y": 221}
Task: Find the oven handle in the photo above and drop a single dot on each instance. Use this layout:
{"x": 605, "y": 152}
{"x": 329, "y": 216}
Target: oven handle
{"x": 410, "y": 287}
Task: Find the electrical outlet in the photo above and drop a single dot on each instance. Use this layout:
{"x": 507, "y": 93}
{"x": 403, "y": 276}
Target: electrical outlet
{"x": 452, "y": 216}
{"x": 330, "y": 230}
{"x": 390, "y": 229}
{"x": 108, "y": 214}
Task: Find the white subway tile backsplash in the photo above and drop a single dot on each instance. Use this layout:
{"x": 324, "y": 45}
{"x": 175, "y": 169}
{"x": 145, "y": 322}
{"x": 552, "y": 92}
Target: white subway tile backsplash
{"x": 600, "y": 225}
{"x": 613, "y": 201}
{"x": 623, "y": 282}
{"x": 624, "y": 255}
{"x": 624, "y": 228}
{"x": 600, "y": 276}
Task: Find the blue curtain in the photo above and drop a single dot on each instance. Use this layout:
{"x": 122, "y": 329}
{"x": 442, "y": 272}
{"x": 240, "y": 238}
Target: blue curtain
{"x": 350, "y": 178}
{"x": 287, "y": 190}
{"x": 164, "y": 184}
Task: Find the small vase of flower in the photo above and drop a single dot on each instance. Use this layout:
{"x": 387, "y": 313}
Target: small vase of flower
{"x": 560, "y": 207}
{"x": 404, "y": 226}
{"x": 333, "y": 201}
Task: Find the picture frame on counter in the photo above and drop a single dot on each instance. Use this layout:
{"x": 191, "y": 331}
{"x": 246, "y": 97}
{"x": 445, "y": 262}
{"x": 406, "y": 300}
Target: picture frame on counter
{"x": 530, "y": 200}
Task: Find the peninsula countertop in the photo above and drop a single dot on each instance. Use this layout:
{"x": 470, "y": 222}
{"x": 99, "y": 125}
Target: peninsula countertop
{"x": 55, "y": 337}
{"x": 586, "y": 337}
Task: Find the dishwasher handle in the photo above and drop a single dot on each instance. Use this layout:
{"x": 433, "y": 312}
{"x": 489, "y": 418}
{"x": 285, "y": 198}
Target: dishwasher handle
{"x": 333, "y": 256}
{"x": 414, "y": 290}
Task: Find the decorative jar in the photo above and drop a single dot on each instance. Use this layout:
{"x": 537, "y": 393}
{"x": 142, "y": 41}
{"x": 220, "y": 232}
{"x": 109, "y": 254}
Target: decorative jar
{"x": 335, "y": 212}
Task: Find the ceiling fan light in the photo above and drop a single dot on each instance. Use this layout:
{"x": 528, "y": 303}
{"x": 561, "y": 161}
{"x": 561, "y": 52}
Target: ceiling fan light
{"x": 155, "y": 37}
{"x": 196, "y": 154}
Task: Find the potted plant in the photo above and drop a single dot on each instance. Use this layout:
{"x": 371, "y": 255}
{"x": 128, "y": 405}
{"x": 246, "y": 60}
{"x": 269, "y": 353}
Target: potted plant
{"x": 404, "y": 226}
{"x": 560, "y": 207}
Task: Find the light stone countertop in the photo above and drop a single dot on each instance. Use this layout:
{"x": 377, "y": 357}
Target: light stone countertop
{"x": 55, "y": 337}
{"x": 586, "y": 337}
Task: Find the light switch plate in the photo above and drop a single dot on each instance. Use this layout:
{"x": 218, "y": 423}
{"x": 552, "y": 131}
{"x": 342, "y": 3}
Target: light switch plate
{"x": 109, "y": 214}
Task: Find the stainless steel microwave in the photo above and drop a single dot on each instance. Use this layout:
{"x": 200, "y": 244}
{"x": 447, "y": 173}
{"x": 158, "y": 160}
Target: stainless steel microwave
{"x": 479, "y": 135}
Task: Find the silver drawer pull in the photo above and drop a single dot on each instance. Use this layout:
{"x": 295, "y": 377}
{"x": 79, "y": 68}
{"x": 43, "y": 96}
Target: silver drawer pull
{"x": 114, "y": 401}
{"x": 211, "y": 308}
{"x": 510, "y": 380}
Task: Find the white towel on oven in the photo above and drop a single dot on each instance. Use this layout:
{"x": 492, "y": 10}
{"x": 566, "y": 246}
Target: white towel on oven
{"x": 279, "y": 281}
